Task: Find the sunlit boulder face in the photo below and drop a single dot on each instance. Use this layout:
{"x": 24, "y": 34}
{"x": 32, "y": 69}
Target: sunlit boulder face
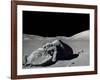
{"x": 49, "y": 54}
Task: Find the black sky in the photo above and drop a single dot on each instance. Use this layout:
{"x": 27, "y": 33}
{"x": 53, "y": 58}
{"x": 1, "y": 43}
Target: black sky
{"x": 54, "y": 24}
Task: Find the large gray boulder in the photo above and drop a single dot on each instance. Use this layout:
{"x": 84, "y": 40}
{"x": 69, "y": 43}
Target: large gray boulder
{"x": 49, "y": 54}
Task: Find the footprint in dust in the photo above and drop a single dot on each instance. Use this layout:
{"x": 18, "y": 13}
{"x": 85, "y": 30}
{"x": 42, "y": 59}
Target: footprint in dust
{"x": 71, "y": 64}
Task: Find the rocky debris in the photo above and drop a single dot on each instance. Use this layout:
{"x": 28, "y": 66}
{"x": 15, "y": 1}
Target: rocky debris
{"x": 49, "y": 54}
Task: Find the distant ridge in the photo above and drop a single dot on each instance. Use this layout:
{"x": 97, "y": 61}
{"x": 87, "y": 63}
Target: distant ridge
{"x": 81, "y": 36}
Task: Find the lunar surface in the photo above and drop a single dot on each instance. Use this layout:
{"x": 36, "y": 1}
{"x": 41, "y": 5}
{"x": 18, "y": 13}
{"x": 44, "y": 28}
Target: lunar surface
{"x": 78, "y": 42}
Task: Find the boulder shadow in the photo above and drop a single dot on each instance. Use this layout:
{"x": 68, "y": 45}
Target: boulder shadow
{"x": 65, "y": 52}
